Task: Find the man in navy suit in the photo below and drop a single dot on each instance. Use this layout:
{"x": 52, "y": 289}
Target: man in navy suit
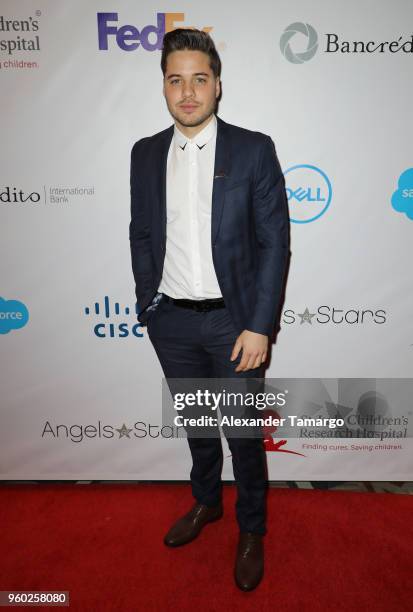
{"x": 209, "y": 237}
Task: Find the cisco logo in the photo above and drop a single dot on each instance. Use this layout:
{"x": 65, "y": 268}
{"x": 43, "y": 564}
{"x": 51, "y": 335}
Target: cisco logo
{"x": 308, "y": 191}
{"x": 300, "y": 51}
{"x": 129, "y": 38}
{"x": 110, "y": 320}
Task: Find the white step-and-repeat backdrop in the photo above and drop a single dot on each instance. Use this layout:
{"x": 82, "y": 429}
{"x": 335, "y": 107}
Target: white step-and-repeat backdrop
{"x": 331, "y": 83}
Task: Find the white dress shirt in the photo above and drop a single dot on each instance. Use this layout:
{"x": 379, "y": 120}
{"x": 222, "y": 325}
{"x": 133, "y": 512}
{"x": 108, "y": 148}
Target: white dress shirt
{"x": 188, "y": 267}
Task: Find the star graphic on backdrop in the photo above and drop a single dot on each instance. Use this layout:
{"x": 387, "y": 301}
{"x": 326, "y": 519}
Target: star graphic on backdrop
{"x": 306, "y": 316}
{"x": 124, "y": 431}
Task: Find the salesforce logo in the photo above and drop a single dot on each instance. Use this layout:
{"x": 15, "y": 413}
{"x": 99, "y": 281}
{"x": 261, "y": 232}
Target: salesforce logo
{"x": 302, "y": 54}
{"x": 129, "y": 38}
{"x": 13, "y": 315}
{"x": 402, "y": 198}
{"x": 308, "y": 191}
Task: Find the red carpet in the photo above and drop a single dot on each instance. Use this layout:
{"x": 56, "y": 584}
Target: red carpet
{"x": 325, "y": 550}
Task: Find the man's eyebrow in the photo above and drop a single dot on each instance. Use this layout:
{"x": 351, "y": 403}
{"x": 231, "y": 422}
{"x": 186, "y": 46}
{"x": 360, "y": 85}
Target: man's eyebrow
{"x": 170, "y": 76}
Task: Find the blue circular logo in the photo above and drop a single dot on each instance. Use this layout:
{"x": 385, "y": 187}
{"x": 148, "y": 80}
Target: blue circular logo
{"x": 308, "y": 191}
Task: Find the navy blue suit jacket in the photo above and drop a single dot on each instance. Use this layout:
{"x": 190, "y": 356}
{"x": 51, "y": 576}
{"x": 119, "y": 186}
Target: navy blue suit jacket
{"x": 249, "y": 223}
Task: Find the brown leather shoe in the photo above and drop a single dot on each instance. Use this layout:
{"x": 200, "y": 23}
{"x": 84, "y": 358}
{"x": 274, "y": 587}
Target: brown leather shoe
{"x": 190, "y": 526}
{"x": 249, "y": 564}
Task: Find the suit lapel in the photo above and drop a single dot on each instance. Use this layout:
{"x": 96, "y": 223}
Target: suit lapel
{"x": 222, "y": 167}
{"x": 221, "y": 172}
{"x": 160, "y": 179}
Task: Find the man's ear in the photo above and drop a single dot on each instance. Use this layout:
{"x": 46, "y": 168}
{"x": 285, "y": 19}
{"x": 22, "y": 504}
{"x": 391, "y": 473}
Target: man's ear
{"x": 218, "y": 87}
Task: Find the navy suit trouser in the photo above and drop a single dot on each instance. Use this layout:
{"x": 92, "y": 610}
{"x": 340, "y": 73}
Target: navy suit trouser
{"x": 191, "y": 344}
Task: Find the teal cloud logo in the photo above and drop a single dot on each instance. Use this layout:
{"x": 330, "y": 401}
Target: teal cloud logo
{"x": 13, "y": 315}
{"x": 402, "y": 198}
{"x": 303, "y": 30}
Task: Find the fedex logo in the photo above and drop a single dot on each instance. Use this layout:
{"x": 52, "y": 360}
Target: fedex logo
{"x": 128, "y": 37}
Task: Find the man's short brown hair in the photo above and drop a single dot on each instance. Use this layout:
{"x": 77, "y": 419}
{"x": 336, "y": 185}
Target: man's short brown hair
{"x": 192, "y": 40}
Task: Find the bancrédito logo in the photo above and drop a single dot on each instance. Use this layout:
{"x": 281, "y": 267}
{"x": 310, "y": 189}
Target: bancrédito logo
{"x": 13, "y": 315}
{"x": 299, "y": 43}
{"x": 50, "y": 194}
{"x": 296, "y": 53}
{"x": 402, "y": 198}
{"x": 14, "y": 195}
{"x": 309, "y": 192}
{"x": 128, "y": 37}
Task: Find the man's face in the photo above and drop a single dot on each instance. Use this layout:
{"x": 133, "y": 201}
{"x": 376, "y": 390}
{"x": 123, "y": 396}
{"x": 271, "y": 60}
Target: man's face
{"x": 190, "y": 88}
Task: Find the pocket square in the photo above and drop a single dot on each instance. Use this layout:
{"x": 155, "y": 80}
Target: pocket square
{"x": 220, "y": 174}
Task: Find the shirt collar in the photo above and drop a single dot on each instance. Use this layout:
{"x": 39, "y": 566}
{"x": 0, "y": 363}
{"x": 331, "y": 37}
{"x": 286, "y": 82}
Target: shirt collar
{"x": 201, "y": 138}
